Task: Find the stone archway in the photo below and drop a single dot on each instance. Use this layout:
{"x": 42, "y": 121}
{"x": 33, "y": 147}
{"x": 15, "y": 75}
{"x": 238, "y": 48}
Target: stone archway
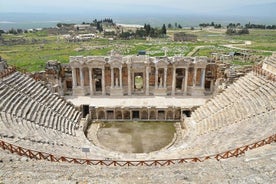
{"x": 144, "y": 114}
{"x": 126, "y": 114}
{"x": 152, "y": 115}
{"x": 170, "y": 115}
{"x": 118, "y": 115}
{"x": 101, "y": 114}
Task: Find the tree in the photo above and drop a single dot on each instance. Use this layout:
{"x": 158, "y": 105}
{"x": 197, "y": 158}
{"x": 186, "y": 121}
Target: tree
{"x": 169, "y": 26}
{"x": 99, "y": 27}
{"x": 141, "y": 33}
{"x": 59, "y": 25}
{"x": 230, "y": 31}
{"x": 12, "y": 31}
{"x": 147, "y": 28}
{"x": 164, "y": 29}
{"x": 179, "y": 26}
{"x": 1, "y": 32}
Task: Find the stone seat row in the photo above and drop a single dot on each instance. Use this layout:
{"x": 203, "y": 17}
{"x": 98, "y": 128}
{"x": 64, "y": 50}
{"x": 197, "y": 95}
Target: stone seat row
{"x": 246, "y": 131}
{"x": 35, "y": 103}
{"x": 23, "y": 130}
{"x": 40, "y": 93}
{"x": 246, "y": 102}
{"x": 23, "y": 106}
{"x": 253, "y": 103}
{"x": 234, "y": 92}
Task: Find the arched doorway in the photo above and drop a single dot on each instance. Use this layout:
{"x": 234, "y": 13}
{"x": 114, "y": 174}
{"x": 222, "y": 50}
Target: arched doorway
{"x": 144, "y": 114}
{"x": 101, "y": 114}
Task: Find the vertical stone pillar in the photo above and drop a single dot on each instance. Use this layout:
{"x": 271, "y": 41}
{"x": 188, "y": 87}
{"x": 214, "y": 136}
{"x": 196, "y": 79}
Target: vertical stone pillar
{"x": 74, "y": 78}
{"x": 81, "y": 77}
{"x": 147, "y": 80}
{"x": 194, "y": 78}
{"x": 91, "y": 81}
{"x": 212, "y": 86}
{"x": 129, "y": 80}
{"x": 103, "y": 81}
{"x": 121, "y": 78}
{"x": 165, "y": 77}
{"x": 112, "y": 77}
{"x": 202, "y": 82}
{"x": 156, "y": 77}
{"x": 173, "y": 81}
{"x": 186, "y": 80}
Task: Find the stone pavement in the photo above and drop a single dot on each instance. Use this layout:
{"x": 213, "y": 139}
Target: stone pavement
{"x": 138, "y": 101}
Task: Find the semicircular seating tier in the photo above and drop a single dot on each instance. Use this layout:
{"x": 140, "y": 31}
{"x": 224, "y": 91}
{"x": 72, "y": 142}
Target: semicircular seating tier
{"x": 30, "y": 111}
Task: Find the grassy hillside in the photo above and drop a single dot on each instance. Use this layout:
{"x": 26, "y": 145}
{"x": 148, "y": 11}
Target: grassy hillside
{"x": 32, "y": 50}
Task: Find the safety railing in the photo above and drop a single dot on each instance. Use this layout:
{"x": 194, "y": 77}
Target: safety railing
{"x": 53, "y": 158}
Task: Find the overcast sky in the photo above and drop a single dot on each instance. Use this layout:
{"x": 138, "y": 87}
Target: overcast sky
{"x": 78, "y": 6}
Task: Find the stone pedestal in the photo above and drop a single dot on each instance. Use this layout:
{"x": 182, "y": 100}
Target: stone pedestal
{"x": 79, "y": 91}
{"x": 160, "y": 91}
{"x": 196, "y": 91}
{"x": 116, "y": 92}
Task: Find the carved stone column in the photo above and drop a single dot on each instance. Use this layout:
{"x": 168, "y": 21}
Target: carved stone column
{"x": 91, "y": 82}
{"x": 173, "y": 81}
{"x": 165, "y": 77}
{"x": 103, "y": 81}
{"x": 74, "y": 78}
{"x": 186, "y": 80}
{"x": 112, "y": 77}
{"x": 194, "y": 78}
{"x": 129, "y": 80}
{"x": 121, "y": 77}
{"x": 147, "y": 80}
{"x": 156, "y": 77}
{"x": 202, "y": 78}
{"x": 81, "y": 77}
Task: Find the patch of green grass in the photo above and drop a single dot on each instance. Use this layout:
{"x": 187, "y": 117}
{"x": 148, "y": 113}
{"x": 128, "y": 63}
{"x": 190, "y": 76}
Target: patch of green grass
{"x": 39, "y": 47}
{"x": 241, "y": 63}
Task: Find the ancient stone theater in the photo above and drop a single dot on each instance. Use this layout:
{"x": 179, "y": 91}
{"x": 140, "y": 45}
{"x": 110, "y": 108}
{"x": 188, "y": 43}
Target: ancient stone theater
{"x": 50, "y": 122}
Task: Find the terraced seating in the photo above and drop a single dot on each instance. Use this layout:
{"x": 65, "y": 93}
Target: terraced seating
{"x": 271, "y": 60}
{"x": 30, "y": 111}
{"x": 248, "y": 97}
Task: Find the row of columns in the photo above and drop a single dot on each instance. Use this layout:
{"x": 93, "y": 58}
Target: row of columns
{"x": 202, "y": 80}
{"x": 91, "y": 85}
{"x": 163, "y": 84}
{"x": 120, "y": 83}
{"x": 156, "y": 112}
